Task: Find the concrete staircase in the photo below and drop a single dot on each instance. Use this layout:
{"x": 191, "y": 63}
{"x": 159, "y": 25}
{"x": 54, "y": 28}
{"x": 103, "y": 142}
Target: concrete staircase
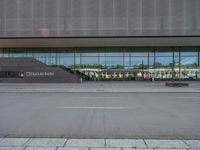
{"x": 34, "y": 71}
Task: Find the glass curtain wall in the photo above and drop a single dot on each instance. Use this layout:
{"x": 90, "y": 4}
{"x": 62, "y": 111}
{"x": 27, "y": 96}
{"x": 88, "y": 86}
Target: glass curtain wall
{"x": 189, "y": 63}
{"x": 160, "y": 63}
{"x": 163, "y": 63}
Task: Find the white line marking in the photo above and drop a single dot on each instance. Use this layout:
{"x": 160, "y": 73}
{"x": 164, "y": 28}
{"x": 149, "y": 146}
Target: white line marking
{"x": 100, "y": 97}
{"x": 62, "y": 107}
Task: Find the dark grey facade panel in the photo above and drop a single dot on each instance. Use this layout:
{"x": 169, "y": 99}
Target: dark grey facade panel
{"x": 78, "y": 18}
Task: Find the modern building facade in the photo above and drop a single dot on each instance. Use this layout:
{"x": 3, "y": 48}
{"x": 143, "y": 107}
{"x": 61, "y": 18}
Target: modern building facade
{"x": 106, "y": 39}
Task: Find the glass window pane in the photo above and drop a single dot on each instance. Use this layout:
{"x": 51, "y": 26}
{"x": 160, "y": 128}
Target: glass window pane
{"x": 151, "y": 53}
{"x": 189, "y": 54}
{"x": 77, "y": 54}
{"x": 127, "y": 54}
{"x": 127, "y": 61}
{"x": 114, "y": 52}
{"x": 102, "y": 52}
{"x": 189, "y": 58}
{"x": 189, "y": 62}
{"x": 176, "y": 52}
{"x": 139, "y": 54}
{"x": 137, "y": 51}
{"x": 161, "y": 62}
{"x": 167, "y": 52}
{"x": 113, "y": 61}
{"x": 64, "y": 54}
{"x": 85, "y": 54}
{"x": 66, "y": 61}
{"x": 102, "y": 61}
{"x": 188, "y": 51}
{"x": 89, "y": 60}
{"x": 139, "y": 62}
{"x": 151, "y": 62}
{"x": 77, "y": 60}
{"x": 88, "y": 51}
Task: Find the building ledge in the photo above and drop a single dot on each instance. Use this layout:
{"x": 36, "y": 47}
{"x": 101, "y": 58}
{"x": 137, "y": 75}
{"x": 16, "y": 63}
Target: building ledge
{"x": 100, "y": 42}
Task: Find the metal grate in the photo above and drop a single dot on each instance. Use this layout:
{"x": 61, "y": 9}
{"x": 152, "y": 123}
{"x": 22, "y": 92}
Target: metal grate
{"x": 72, "y": 18}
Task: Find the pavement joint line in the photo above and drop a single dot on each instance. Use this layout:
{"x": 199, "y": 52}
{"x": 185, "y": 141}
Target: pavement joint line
{"x": 101, "y": 97}
{"x": 145, "y": 143}
{"x": 65, "y": 142}
{"x": 26, "y": 142}
{"x": 187, "y": 144}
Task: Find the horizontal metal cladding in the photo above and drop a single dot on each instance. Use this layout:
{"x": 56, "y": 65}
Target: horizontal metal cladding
{"x": 99, "y": 18}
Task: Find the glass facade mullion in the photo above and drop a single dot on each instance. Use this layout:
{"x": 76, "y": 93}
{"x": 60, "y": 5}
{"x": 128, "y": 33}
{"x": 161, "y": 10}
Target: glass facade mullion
{"x": 179, "y": 63}
{"x": 98, "y": 56}
{"x": 123, "y": 57}
{"x": 148, "y": 59}
{"x": 199, "y": 57}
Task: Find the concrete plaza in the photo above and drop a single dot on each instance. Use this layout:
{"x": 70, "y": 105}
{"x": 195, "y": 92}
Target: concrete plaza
{"x": 106, "y": 86}
{"x": 96, "y": 144}
{"x": 99, "y": 116}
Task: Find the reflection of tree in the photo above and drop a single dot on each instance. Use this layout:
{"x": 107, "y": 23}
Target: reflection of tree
{"x": 117, "y": 66}
{"x": 141, "y": 66}
{"x": 158, "y": 64}
{"x": 81, "y": 66}
{"x": 171, "y": 65}
{"x": 96, "y": 66}
{"x": 188, "y": 66}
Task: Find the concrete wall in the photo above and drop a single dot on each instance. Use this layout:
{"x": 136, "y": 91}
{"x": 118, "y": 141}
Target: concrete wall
{"x": 74, "y": 18}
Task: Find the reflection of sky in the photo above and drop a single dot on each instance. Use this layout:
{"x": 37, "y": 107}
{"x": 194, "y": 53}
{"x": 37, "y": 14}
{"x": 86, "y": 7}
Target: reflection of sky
{"x": 89, "y": 60}
{"x": 139, "y": 54}
{"x": 164, "y": 60}
{"x": 189, "y": 54}
{"x": 66, "y": 61}
{"x": 188, "y": 60}
{"x": 139, "y": 60}
{"x": 67, "y": 58}
{"x": 110, "y": 61}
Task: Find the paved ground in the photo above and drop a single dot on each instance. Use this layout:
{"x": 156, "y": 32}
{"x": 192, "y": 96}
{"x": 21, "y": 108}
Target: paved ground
{"x": 126, "y": 86}
{"x": 96, "y": 144}
{"x": 100, "y": 115}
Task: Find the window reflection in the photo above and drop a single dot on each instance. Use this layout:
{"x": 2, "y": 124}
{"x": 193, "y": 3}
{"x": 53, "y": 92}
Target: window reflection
{"x": 127, "y": 61}
{"x": 163, "y": 63}
{"x": 114, "y": 52}
{"x": 114, "y": 61}
{"x": 90, "y": 60}
{"x": 189, "y": 59}
{"x": 189, "y": 63}
{"x": 102, "y": 61}
{"x": 139, "y": 62}
{"x": 135, "y": 54}
{"x": 151, "y": 62}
